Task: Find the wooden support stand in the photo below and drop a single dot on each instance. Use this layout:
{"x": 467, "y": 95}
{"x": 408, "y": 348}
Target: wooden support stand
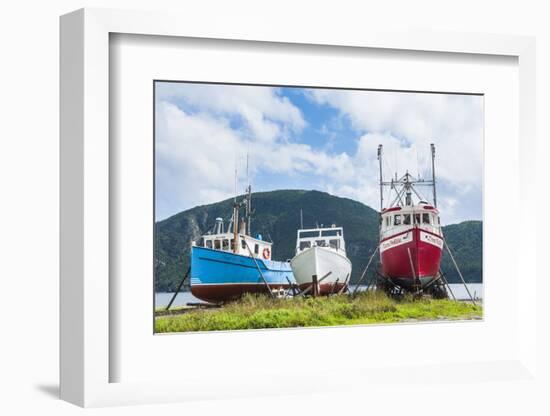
{"x": 446, "y": 284}
{"x": 459, "y": 272}
{"x": 305, "y": 292}
{"x": 178, "y": 289}
{"x": 315, "y": 291}
{"x": 345, "y": 285}
{"x": 365, "y": 271}
{"x": 334, "y": 287}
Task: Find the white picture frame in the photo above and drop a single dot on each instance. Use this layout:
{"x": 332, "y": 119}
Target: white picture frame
{"x": 85, "y": 353}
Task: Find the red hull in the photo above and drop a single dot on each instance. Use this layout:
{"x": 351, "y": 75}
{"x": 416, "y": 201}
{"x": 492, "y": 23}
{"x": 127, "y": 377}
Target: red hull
{"x": 217, "y": 293}
{"x": 424, "y": 260}
{"x": 325, "y": 288}
{"x": 224, "y": 292}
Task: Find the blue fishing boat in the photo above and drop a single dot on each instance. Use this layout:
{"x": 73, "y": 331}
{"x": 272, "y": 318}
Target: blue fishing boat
{"x": 226, "y": 264}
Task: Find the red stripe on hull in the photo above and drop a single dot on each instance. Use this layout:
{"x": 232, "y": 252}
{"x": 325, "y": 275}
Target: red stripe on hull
{"x": 226, "y": 292}
{"x": 324, "y": 288}
{"x": 426, "y": 259}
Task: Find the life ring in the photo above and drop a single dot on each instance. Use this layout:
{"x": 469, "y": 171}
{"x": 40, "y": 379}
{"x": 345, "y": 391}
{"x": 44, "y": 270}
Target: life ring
{"x": 265, "y": 253}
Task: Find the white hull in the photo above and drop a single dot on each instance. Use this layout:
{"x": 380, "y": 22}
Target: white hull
{"x": 319, "y": 261}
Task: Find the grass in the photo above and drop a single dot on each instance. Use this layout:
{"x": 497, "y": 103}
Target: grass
{"x": 260, "y": 311}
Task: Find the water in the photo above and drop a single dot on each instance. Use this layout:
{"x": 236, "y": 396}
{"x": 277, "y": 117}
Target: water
{"x": 162, "y": 298}
{"x": 476, "y": 289}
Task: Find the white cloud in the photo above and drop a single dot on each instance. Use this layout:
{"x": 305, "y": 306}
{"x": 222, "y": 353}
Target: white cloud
{"x": 194, "y": 159}
{"x": 406, "y": 124}
{"x": 453, "y": 122}
{"x": 197, "y": 154}
{"x": 265, "y": 113}
{"x": 212, "y": 126}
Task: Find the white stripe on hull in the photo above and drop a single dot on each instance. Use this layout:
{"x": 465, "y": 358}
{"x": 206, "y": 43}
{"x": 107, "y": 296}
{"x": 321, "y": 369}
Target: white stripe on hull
{"x": 319, "y": 261}
{"x": 431, "y": 239}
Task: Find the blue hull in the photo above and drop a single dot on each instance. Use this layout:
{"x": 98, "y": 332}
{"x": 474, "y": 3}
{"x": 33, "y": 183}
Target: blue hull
{"x": 218, "y": 276}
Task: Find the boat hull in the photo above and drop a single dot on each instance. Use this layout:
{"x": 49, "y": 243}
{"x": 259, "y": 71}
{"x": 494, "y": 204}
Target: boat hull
{"x": 412, "y": 258}
{"x": 319, "y": 261}
{"x": 219, "y": 276}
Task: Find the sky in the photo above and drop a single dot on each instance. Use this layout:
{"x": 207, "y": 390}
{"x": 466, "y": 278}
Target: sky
{"x": 311, "y": 138}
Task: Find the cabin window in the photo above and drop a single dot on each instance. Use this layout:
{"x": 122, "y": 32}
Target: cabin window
{"x": 208, "y": 243}
{"x": 256, "y": 248}
{"x": 243, "y": 243}
{"x": 217, "y": 244}
{"x": 225, "y": 245}
{"x": 438, "y": 220}
{"x": 334, "y": 244}
{"x": 417, "y": 219}
{"x": 387, "y": 221}
{"x": 309, "y": 234}
{"x": 321, "y": 243}
{"x": 305, "y": 244}
{"x": 397, "y": 219}
{"x": 426, "y": 218}
{"x": 407, "y": 219}
{"x": 330, "y": 233}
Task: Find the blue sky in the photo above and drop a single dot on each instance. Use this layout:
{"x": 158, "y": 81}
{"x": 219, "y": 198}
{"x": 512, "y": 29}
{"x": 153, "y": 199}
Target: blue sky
{"x": 322, "y": 139}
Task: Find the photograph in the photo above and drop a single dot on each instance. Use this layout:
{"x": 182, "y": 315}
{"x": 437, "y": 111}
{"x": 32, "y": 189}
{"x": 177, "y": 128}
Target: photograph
{"x": 302, "y": 206}
{"x": 195, "y": 190}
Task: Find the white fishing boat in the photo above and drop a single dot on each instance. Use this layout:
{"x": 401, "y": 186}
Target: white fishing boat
{"x": 321, "y": 252}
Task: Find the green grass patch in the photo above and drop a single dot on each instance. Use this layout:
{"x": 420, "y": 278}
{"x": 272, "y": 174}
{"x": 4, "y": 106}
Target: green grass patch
{"x": 259, "y": 311}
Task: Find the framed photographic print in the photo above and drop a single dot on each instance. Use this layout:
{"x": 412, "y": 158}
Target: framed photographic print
{"x": 230, "y": 204}
{"x": 304, "y": 247}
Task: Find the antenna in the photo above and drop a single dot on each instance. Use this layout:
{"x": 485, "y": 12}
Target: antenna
{"x": 417, "y": 163}
{"x": 235, "y": 197}
{"x": 235, "y": 228}
{"x": 432, "y": 146}
{"x": 381, "y": 185}
{"x": 249, "y": 208}
{"x": 235, "y": 215}
{"x": 405, "y": 186}
{"x": 248, "y": 199}
{"x": 301, "y": 219}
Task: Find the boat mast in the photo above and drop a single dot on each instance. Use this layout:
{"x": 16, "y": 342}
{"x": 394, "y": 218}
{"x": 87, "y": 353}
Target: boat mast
{"x": 432, "y": 146}
{"x": 248, "y": 207}
{"x": 405, "y": 186}
{"x": 381, "y": 183}
{"x": 235, "y": 227}
{"x": 235, "y": 218}
{"x": 248, "y": 200}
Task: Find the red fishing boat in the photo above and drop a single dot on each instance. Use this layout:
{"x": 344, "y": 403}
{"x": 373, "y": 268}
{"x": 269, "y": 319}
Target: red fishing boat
{"x": 411, "y": 241}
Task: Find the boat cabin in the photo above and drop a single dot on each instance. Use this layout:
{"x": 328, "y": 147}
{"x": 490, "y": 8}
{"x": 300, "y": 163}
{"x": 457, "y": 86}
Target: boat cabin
{"x": 225, "y": 241}
{"x": 332, "y": 238}
{"x": 401, "y": 218}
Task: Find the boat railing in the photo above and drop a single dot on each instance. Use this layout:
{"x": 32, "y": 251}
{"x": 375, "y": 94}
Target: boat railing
{"x": 398, "y": 229}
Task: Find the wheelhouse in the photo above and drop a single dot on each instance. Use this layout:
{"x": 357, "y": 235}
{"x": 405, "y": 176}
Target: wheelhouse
{"x": 225, "y": 241}
{"x": 332, "y": 238}
{"x": 397, "y": 219}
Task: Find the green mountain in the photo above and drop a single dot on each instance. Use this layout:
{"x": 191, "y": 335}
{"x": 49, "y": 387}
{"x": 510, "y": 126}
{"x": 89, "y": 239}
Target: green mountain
{"x": 466, "y": 243}
{"x": 277, "y": 218}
